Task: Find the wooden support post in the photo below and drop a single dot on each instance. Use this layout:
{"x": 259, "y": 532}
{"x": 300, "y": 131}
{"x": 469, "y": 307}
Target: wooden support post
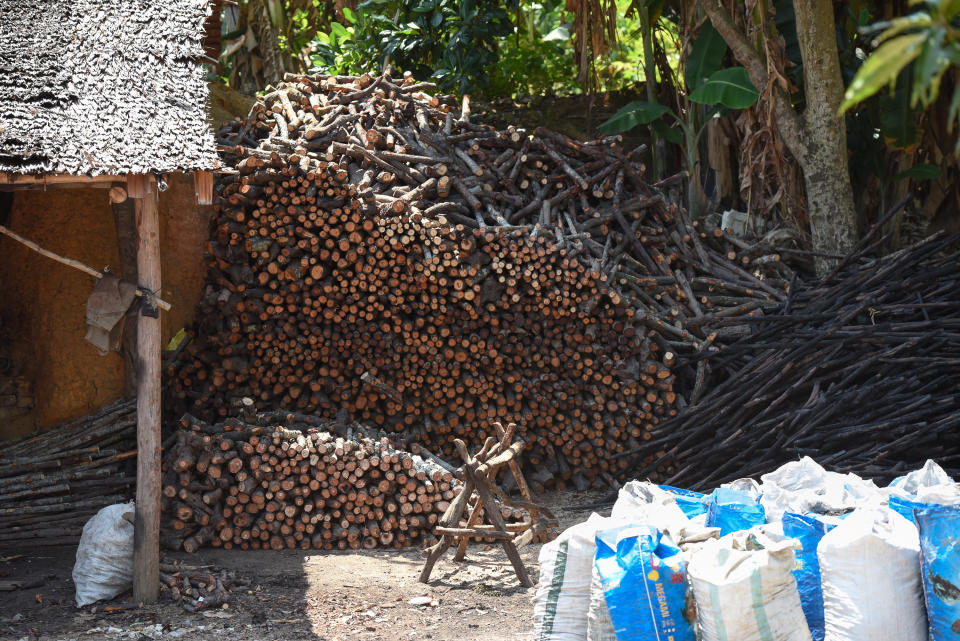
{"x": 126, "y": 224}
{"x": 146, "y": 552}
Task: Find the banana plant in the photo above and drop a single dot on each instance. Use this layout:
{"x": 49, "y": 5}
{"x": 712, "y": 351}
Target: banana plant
{"x": 718, "y": 90}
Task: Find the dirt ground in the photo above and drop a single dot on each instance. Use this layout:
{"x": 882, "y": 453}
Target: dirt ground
{"x": 315, "y": 596}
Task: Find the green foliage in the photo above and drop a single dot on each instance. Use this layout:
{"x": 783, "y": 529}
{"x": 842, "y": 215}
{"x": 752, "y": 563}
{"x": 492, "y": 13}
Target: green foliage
{"x": 922, "y": 171}
{"x": 927, "y": 40}
{"x": 539, "y": 58}
{"x": 338, "y": 50}
{"x": 536, "y": 59}
{"x": 728, "y": 87}
{"x": 453, "y": 41}
{"x": 627, "y": 66}
{"x": 638, "y": 112}
{"x": 882, "y": 67}
{"x": 488, "y": 47}
{"x": 719, "y": 89}
{"x": 669, "y": 133}
{"x": 705, "y": 58}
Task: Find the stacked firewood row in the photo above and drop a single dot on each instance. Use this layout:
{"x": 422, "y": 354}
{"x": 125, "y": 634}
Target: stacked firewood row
{"x": 51, "y": 483}
{"x": 860, "y": 372}
{"x": 588, "y": 196}
{"x": 298, "y": 485}
{"x": 374, "y": 253}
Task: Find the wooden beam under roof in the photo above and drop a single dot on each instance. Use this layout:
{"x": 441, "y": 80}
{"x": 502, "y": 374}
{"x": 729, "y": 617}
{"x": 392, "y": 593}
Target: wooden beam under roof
{"x": 41, "y": 181}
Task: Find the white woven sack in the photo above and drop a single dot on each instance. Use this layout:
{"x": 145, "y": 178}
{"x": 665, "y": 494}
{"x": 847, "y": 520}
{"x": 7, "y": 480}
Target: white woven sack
{"x": 870, "y": 572}
{"x": 104, "y": 566}
{"x": 744, "y": 589}
{"x": 599, "y": 623}
{"x": 562, "y": 601}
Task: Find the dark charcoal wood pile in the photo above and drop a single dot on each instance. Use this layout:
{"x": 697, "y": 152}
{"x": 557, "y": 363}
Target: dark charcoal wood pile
{"x": 376, "y": 251}
{"x": 51, "y": 483}
{"x": 287, "y": 481}
{"x": 860, "y": 372}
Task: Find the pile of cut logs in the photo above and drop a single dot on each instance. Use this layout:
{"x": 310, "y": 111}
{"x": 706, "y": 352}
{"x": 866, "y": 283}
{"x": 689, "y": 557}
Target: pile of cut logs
{"x": 193, "y": 587}
{"x": 297, "y": 485}
{"x": 51, "y": 483}
{"x": 376, "y": 251}
{"x": 860, "y": 372}
{"x": 198, "y": 588}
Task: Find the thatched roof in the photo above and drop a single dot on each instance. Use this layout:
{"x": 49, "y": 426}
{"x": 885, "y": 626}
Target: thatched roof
{"x": 103, "y": 87}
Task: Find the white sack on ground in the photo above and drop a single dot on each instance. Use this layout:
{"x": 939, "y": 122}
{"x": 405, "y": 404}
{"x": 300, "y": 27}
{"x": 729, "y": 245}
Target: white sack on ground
{"x": 645, "y": 503}
{"x": 104, "y": 566}
{"x": 805, "y": 486}
{"x": 870, "y": 573}
{"x": 562, "y": 601}
{"x": 929, "y": 475}
{"x": 744, "y": 589}
{"x": 599, "y": 623}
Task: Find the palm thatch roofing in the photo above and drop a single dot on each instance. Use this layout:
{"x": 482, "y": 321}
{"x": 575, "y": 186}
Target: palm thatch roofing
{"x": 91, "y": 87}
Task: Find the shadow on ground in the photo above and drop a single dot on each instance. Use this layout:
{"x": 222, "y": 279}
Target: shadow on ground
{"x": 297, "y": 595}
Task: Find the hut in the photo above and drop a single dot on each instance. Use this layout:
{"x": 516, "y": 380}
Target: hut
{"x": 106, "y": 157}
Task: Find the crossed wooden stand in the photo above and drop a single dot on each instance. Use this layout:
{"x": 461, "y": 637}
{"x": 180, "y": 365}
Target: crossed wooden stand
{"x": 478, "y": 473}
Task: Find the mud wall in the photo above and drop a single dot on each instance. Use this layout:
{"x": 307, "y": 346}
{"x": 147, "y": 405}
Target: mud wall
{"x": 42, "y": 302}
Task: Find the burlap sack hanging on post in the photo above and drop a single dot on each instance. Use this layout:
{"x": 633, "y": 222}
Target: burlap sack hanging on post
{"x": 106, "y": 308}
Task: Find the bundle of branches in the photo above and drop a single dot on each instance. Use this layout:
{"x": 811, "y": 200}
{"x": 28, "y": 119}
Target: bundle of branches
{"x": 51, "y": 483}
{"x": 296, "y": 485}
{"x": 378, "y": 252}
{"x": 859, "y": 372}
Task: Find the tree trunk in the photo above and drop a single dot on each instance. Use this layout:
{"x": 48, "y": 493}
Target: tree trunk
{"x": 833, "y": 221}
{"x": 818, "y": 139}
{"x": 273, "y": 67}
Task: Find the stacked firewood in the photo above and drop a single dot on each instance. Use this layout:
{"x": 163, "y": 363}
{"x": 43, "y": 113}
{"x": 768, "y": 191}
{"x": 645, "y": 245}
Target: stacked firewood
{"x": 53, "y": 482}
{"x": 298, "y": 485}
{"x": 375, "y": 251}
{"x": 860, "y": 372}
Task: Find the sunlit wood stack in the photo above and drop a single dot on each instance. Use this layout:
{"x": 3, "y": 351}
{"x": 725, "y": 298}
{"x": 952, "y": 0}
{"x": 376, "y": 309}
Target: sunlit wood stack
{"x": 246, "y": 486}
{"x": 375, "y": 251}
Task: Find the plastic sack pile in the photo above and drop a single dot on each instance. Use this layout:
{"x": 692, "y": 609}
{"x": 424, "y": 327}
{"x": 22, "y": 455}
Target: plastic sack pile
{"x": 803, "y": 555}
